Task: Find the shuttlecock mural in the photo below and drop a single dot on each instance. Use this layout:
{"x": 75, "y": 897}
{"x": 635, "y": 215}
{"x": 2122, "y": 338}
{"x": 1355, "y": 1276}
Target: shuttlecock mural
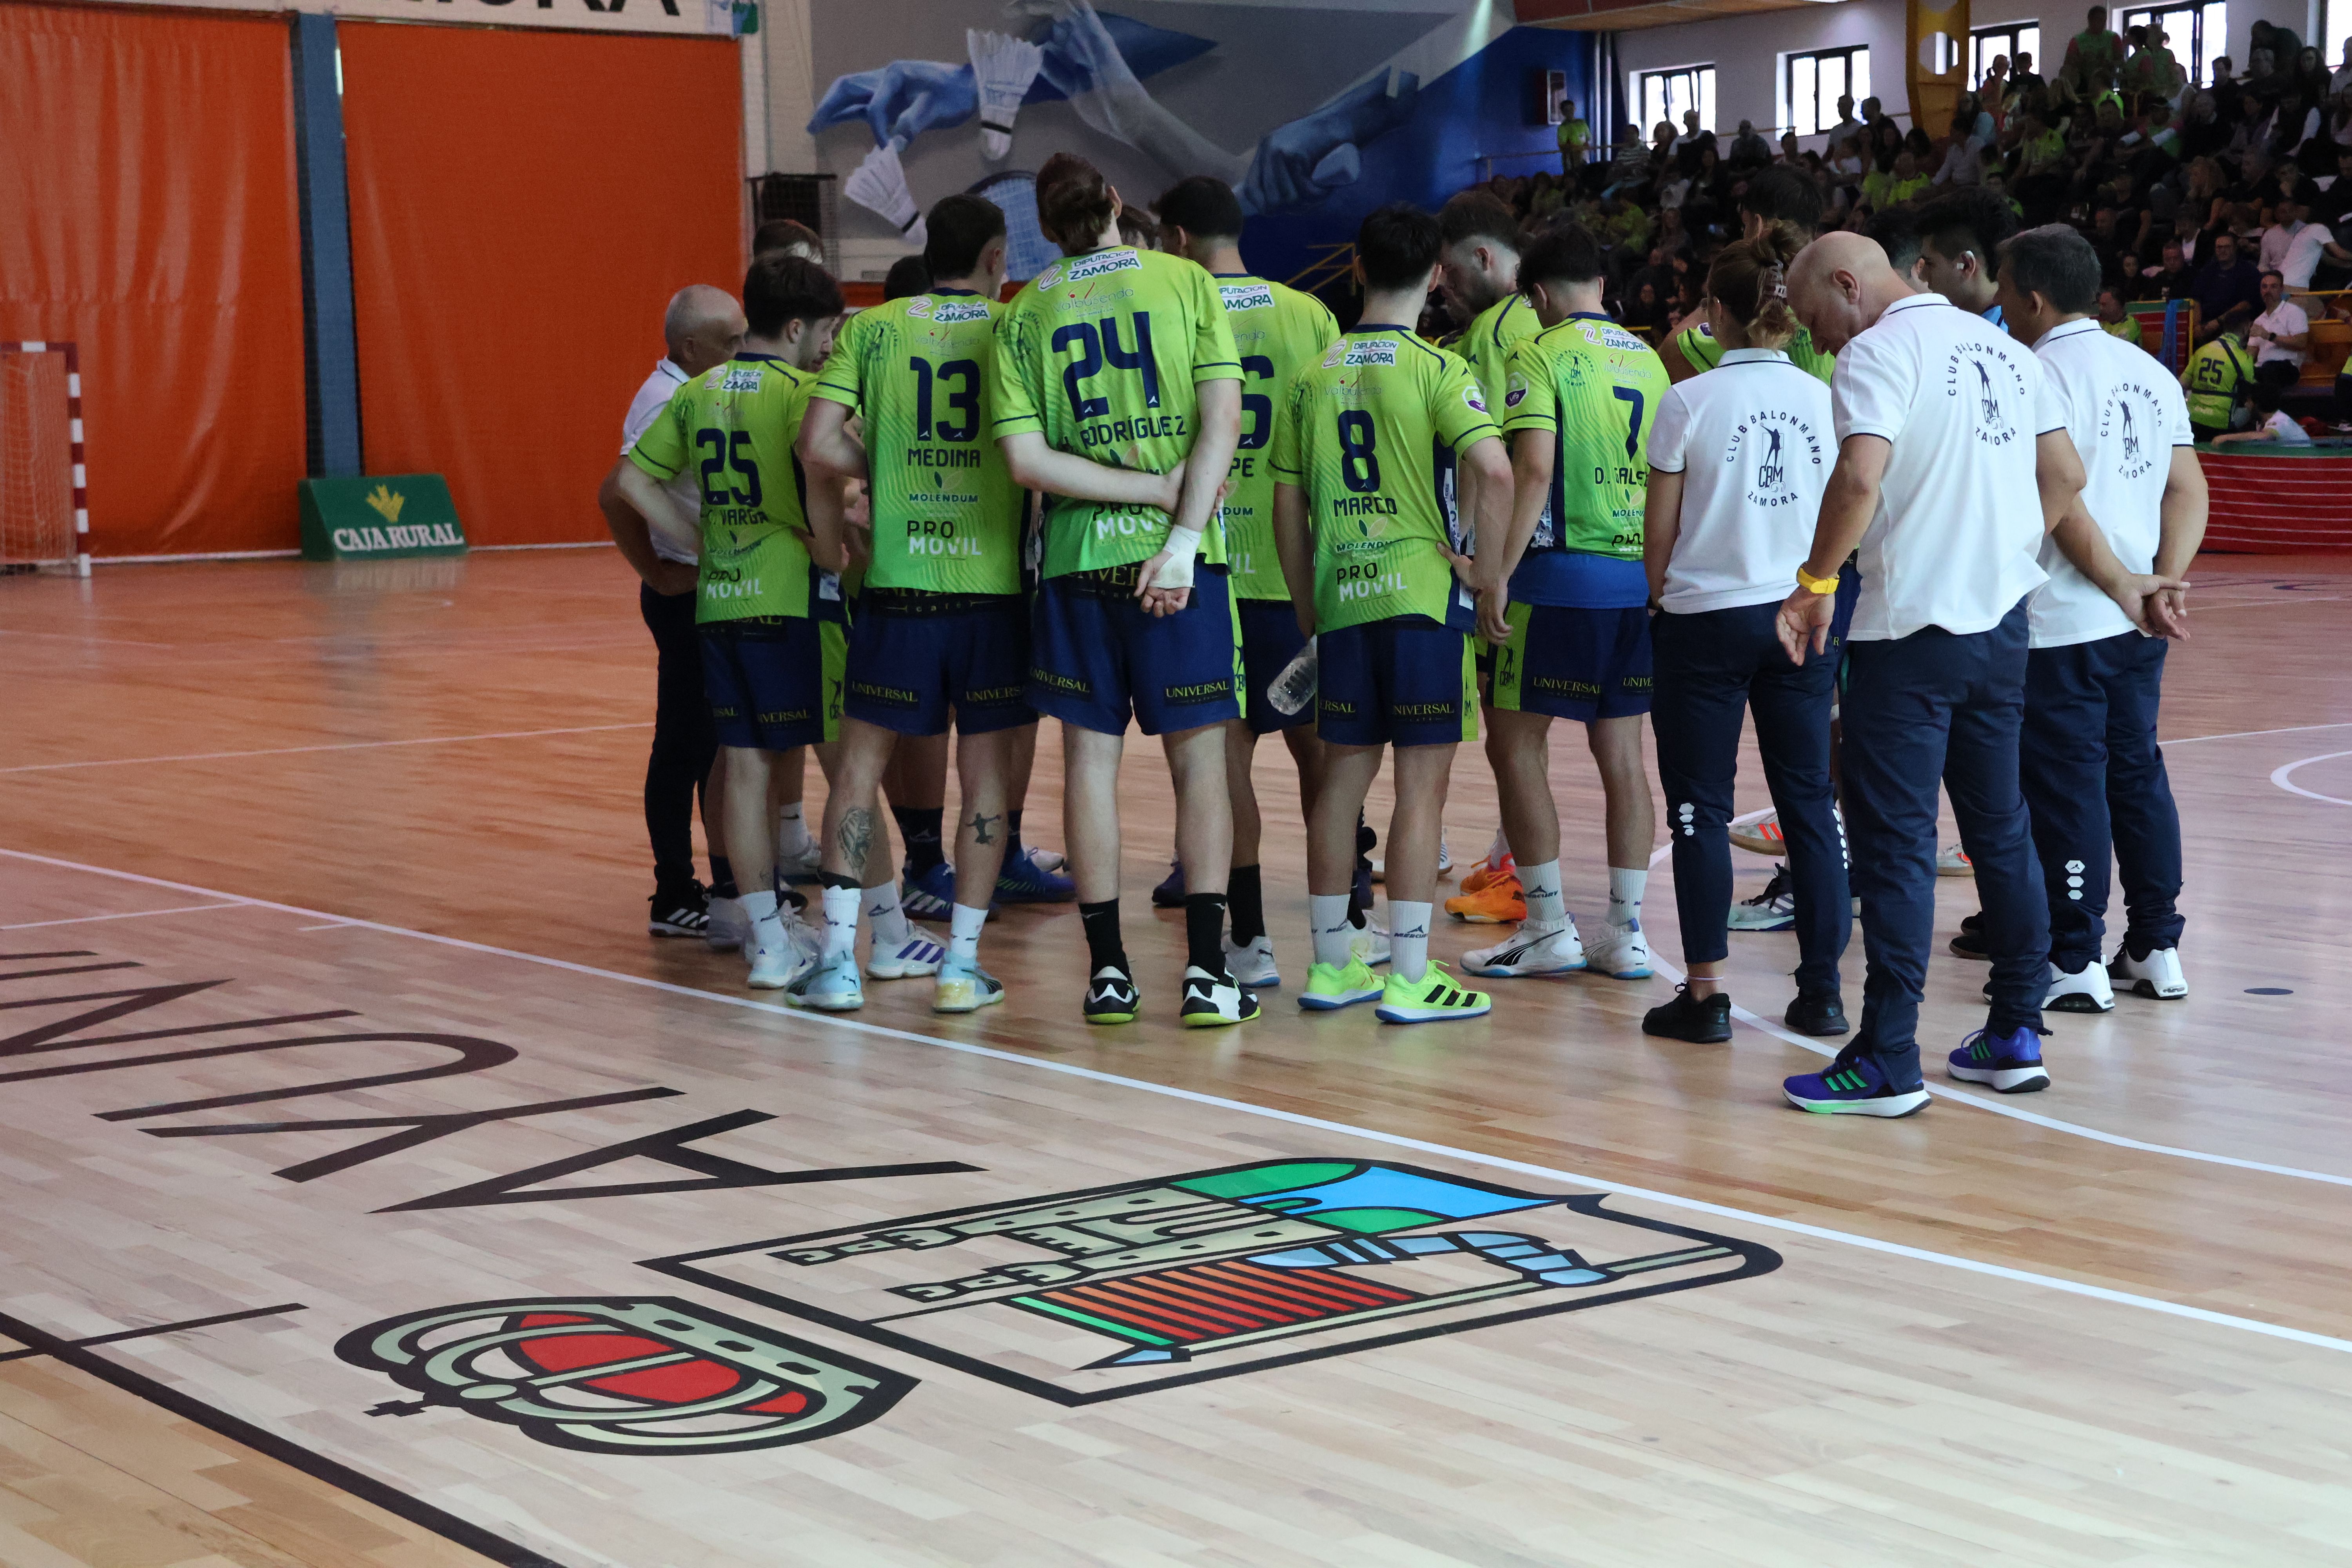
{"x": 1003, "y": 70}
{"x": 879, "y": 185}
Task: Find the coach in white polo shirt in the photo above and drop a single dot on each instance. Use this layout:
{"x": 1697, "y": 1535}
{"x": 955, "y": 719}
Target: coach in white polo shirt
{"x": 700, "y": 330}
{"x": 1953, "y": 463}
{"x": 2092, "y": 772}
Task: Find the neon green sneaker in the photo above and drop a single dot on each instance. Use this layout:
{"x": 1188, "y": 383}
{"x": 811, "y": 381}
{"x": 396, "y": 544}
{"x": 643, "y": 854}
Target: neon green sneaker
{"x": 1433, "y": 998}
{"x": 1331, "y": 987}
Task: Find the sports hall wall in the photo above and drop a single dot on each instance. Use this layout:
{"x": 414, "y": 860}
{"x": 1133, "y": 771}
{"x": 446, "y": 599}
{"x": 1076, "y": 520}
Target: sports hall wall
{"x": 515, "y": 198}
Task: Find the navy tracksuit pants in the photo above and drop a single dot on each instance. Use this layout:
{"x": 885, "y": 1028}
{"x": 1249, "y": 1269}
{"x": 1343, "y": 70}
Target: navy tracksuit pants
{"x": 1931, "y": 705}
{"x": 1711, "y": 668}
{"x": 2094, "y": 776}
{"x": 684, "y": 739}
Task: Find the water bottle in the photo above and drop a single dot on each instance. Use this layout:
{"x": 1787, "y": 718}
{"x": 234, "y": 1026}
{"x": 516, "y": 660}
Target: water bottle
{"x": 1294, "y": 688}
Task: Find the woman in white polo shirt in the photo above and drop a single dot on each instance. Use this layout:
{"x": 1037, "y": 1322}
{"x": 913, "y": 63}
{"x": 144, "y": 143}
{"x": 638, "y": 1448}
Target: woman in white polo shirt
{"x": 1737, "y": 459}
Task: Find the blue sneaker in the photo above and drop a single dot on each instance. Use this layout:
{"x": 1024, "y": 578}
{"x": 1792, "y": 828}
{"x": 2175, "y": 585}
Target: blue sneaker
{"x": 2011, "y": 1063}
{"x": 1169, "y": 894}
{"x": 833, "y": 986}
{"x": 930, "y": 894}
{"x": 1024, "y": 881}
{"x": 1853, "y": 1085}
{"x": 965, "y": 987}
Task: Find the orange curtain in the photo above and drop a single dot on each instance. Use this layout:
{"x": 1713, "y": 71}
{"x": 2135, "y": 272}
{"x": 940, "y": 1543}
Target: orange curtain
{"x": 523, "y": 206}
{"x": 147, "y": 213}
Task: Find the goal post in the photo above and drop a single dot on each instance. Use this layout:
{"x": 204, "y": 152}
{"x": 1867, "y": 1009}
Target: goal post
{"x": 44, "y": 499}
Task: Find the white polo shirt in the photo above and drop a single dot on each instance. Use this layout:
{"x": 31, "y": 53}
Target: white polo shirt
{"x": 1959, "y": 522}
{"x": 1751, "y": 440}
{"x": 2286, "y": 320}
{"x": 644, "y": 409}
{"x": 2303, "y": 257}
{"x": 2125, "y": 414}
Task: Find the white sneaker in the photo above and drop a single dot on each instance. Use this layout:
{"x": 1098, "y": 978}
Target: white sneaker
{"x": 776, "y": 958}
{"x": 1047, "y": 859}
{"x": 1774, "y": 908}
{"x": 1530, "y": 950}
{"x": 2158, "y": 975}
{"x": 1371, "y": 944}
{"x": 807, "y": 940}
{"x": 2087, "y": 991}
{"x": 833, "y": 986}
{"x": 1953, "y": 861}
{"x": 918, "y": 955}
{"x": 1622, "y": 954}
{"x": 1213, "y": 1001}
{"x": 1445, "y": 861}
{"x": 729, "y": 925}
{"x": 1252, "y": 964}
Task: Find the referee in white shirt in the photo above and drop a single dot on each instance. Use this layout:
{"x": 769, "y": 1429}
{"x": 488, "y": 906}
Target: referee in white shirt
{"x": 2093, "y": 774}
{"x": 701, "y": 328}
{"x": 1739, "y": 456}
{"x": 1947, "y": 435}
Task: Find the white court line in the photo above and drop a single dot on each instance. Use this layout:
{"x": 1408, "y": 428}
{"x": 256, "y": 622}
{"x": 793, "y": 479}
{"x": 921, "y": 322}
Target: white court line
{"x": 1419, "y": 1145}
{"x": 132, "y": 915}
{"x": 2244, "y": 734}
{"x": 338, "y": 746}
{"x": 2015, "y": 1113}
{"x": 2279, "y": 776}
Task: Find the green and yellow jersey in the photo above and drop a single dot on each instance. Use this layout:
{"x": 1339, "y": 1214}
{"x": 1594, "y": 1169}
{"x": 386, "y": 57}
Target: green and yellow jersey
{"x": 734, "y": 427}
{"x": 2219, "y": 376}
{"x": 1278, "y": 331}
{"x": 1100, "y": 354}
{"x": 1700, "y": 347}
{"x": 2127, "y": 330}
{"x": 1594, "y": 387}
{"x": 1487, "y": 341}
{"x": 947, "y": 515}
{"x": 1372, "y": 432}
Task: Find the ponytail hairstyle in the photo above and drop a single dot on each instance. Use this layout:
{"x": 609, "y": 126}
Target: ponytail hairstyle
{"x": 1749, "y": 280}
{"x": 1075, "y": 204}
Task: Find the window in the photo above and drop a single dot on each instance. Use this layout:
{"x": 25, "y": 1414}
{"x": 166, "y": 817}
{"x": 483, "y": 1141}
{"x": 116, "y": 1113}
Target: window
{"x": 2008, "y": 39}
{"x": 2336, "y": 26}
{"x": 1667, "y": 94}
{"x": 1812, "y": 84}
{"x": 2197, "y": 35}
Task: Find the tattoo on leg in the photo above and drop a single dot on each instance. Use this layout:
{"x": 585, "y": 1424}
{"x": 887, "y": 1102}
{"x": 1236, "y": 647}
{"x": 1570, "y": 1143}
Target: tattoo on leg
{"x": 856, "y": 836}
{"x": 980, "y": 827}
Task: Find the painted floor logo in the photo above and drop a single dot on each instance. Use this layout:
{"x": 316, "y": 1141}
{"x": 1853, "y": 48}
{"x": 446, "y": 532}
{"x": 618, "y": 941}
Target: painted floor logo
{"x": 623, "y": 1375}
{"x": 1115, "y": 1290}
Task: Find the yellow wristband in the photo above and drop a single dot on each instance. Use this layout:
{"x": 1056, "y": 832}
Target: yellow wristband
{"x": 1814, "y": 584}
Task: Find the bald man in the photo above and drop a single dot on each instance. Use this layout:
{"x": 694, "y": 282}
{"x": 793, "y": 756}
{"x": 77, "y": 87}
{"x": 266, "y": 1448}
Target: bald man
{"x": 1949, "y": 435}
{"x": 700, "y": 330}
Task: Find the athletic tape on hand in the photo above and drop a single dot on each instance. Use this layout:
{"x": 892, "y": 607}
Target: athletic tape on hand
{"x": 1176, "y": 572}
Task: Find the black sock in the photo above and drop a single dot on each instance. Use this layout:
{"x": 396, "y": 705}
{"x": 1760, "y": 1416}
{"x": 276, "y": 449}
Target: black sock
{"x": 1247, "y": 903}
{"x": 1204, "y": 931}
{"x": 1104, "y": 950}
{"x": 829, "y": 881}
{"x": 919, "y": 826}
{"x": 722, "y": 878}
{"x": 1012, "y": 833}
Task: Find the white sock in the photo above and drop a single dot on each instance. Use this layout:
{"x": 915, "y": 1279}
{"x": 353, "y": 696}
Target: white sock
{"x": 963, "y": 934}
{"x": 1408, "y": 938}
{"x": 1499, "y": 848}
{"x": 760, "y": 910}
{"x": 889, "y": 921}
{"x": 1625, "y": 896}
{"x": 1541, "y": 885}
{"x": 792, "y": 833}
{"x": 1326, "y": 917}
{"x": 840, "y": 922}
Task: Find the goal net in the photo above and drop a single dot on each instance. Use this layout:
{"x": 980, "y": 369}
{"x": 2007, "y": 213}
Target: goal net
{"x": 44, "y": 519}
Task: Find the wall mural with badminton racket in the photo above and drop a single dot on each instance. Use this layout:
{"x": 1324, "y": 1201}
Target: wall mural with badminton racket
{"x": 1314, "y": 111}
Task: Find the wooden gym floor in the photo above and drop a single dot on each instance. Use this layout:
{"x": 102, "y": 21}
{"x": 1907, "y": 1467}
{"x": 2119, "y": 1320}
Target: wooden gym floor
{"x": 393, "y": 811}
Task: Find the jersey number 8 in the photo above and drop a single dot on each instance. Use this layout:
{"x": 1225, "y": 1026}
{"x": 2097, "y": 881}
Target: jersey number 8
{"x": 1359, "y": 468}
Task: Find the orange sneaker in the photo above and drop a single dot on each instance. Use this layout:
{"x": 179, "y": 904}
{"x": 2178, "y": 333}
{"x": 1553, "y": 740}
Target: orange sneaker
{"x": 1501, "y": 901}
{"x": 1484, "y": 874}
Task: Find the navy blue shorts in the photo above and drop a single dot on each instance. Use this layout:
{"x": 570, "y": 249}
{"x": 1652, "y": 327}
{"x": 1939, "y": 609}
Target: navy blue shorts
{"x": 1404, "y": 682}
{"x": 913, "y": 655}
{"x": 773, "y": 682}
{"x": 1096, "y": 655}
{"x": 1573, "y": 664}
{"x": 1270, "y": 640}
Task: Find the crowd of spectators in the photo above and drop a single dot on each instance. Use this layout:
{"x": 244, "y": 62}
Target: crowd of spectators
{"x": 2187, "y": 190}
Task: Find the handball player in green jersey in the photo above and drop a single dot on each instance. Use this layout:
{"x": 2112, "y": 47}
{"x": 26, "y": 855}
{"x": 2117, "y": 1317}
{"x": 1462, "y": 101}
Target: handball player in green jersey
{"x": 941, "y": 622}
{"x": 1565, "y": 604}
{"x": 1117, "y": 395}
{"x": 1364, "y": 467}
{"x": 1278, "y": 331}
{"x": 1773, "y": 197}
{"x": 770, "y": 613}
